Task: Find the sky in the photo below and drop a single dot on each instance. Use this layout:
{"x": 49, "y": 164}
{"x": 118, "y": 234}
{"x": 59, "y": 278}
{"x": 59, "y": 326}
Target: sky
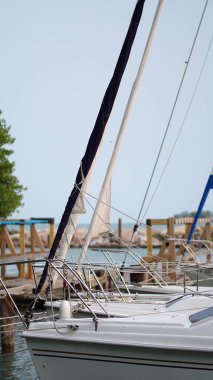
{"x": 57, "y": 58}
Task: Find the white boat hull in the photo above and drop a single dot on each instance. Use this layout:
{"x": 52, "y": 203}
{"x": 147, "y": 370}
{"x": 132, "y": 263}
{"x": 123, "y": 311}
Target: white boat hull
{"x": 173, "y": 342}
{"x": 79, "y": 360}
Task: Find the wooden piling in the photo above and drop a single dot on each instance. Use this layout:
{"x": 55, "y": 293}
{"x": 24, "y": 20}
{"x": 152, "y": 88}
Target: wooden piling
{"x": 51, "y": 232}
{"x": 7, "y": 327}
{"x": 22, "y": 250}
{"x": 149, "y": 237}
{"x": 120, "y": 230}
{"x": 172, "y": 264}
{"x": 206, "y": 234}
{"x": 3, "y": 249}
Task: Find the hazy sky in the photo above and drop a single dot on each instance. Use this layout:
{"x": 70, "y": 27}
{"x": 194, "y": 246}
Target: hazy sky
{"x": 57, "y": 58}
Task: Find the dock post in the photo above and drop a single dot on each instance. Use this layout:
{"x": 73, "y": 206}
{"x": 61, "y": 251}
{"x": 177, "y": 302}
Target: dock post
{"x": 172, "y": 255}
{"x": 51, "y": 231}
{"x": 149, "y": 237}
{"x": 7, "y": 327}
{"x": 120, "y": 230}
{"x": 3, "y": 249}
{"x": 207, "y": 230}
{"x": 22, "y": 249}
{"x": 32, "y": 248}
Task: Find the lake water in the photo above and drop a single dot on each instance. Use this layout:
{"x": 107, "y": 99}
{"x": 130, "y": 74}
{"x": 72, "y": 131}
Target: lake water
{"x": 95, "y": 256}
{"x": 17, "y": 366}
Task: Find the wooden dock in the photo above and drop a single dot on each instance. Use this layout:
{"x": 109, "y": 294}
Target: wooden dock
{"x": 25, "y": 255}
{"x": 23, "y": 251}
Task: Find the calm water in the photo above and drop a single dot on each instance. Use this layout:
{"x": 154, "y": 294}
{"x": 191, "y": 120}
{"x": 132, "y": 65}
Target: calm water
{"x": 93, "y": 256}
{"x": 17, "y": 366}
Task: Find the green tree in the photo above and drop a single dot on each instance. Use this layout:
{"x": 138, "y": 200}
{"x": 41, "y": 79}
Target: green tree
{"x": 11, "y": 192}
{"x": 186, "y": 214}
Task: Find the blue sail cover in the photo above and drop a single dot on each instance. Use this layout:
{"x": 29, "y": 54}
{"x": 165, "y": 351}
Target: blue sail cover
{"x": 208, "y": 187}
{"x": 97, "y": 133}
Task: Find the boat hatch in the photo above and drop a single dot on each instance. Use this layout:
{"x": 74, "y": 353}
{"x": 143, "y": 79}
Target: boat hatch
{"x": 203, "y": 314}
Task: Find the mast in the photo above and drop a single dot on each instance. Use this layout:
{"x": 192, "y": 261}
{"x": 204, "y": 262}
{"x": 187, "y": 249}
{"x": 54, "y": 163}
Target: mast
{"x": 97, "y": 133}
{"x": 122, "y": 130}
{"x": 208, "y": 187}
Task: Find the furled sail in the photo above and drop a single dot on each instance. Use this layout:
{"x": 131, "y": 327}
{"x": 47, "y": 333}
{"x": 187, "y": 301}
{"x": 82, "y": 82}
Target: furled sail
{"x": 102, "y": 222}
{"x": 97, "y": 133}
{"x": 78, "y": 209}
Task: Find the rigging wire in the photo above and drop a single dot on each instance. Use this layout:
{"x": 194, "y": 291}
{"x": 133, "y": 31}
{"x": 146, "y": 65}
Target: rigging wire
{"x": 126, "y": 244}
{"x": 181, "y": 127}
{"x": 121, "y": 213}
{"x": 170, "y": 118}
{"x": 79, "y": 239}
{"x": 131, "y": 252}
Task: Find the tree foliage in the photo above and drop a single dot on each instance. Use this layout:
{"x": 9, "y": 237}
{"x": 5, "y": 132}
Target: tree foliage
{"x": 187, "y": 214}
{"x": 11, "y": 191}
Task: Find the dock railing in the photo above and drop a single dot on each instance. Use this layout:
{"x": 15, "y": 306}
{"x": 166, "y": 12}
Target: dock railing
{"x": 29, "y": 242}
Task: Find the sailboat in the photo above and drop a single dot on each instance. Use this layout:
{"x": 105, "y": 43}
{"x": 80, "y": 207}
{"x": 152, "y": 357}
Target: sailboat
{"x": 175, "y": 342}
{"x": 171, "y": 340}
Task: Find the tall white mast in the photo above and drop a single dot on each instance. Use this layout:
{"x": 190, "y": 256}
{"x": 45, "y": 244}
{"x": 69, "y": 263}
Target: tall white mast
{"x": 121, "y": 131}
